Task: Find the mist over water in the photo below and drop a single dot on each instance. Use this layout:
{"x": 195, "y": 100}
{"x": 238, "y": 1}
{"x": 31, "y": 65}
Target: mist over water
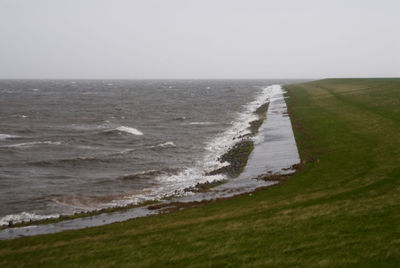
{"x": 68, "y": 146}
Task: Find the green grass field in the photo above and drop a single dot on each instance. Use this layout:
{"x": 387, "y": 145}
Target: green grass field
{"x": 341, "y": 209}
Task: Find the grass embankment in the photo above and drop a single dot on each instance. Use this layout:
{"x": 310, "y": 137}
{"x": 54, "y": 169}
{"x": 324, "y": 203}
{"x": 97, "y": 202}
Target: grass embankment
{"x": 342, "y": 209}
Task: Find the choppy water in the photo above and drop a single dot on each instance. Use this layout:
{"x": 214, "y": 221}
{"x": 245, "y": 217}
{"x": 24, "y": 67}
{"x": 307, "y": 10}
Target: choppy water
{"x": 275, "y": 153}
{"x": 68, "y": 146}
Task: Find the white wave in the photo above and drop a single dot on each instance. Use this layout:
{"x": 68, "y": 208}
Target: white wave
{"x": 19, "y": 116}
{"x": 30, "y": 144}
{"x": 24, "y": 217}
{"x": 130, "y": 130}
{"x": 87, "y": 147}
{"x": 106, "y": 125}
{"x": 125, "y": 151}
{"x": 7, "y": 136}
{"x": 7, "y": 91}
{"x": 165, "y": 144}
{"x": 202, "y": 123}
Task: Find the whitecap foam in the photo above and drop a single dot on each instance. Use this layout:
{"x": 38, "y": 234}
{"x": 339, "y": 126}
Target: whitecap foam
{"x": 165, "y": 144}
{"x": 202, "y": 123}
{"x": 79, "y": 127}
{"x": 124, "y": 151}
{"x": 24, "y": 217}
{"x": 8, "y": 136}
{"x": 19, "y": 116}
{"x": 30, "y": 144}
{"x": 130, "y": 130}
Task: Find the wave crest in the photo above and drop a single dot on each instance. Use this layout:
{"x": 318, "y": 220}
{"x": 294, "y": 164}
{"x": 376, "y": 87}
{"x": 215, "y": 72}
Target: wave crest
{"x": 130, "y": 130}
{"x": 31, "y": 144}
{"x": 8, "y": 136}
{"x": 202, "y": 123}
{"x": 24, "y": 217}
{"x": 164, "y": 145}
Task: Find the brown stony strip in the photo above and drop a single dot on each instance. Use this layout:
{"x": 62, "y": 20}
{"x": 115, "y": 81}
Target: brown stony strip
{"x": 238, "y": 155}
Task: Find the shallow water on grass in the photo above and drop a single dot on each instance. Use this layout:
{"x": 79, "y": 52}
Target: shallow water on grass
{"x": 275, "y": 152}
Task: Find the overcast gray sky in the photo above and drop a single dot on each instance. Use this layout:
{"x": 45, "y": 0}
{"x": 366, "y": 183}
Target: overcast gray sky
{"x": 199, "y": 38}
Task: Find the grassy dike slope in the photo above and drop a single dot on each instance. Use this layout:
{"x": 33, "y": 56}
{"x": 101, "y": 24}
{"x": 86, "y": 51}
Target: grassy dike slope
{"x": 342, "y": 209}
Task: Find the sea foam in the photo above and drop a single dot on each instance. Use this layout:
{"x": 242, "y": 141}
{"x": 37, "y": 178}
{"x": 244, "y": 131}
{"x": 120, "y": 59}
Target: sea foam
{"x": 164, "y": 145}
{"x": 31, "y": 144}
{"x": 130, "y": 130}
{"x": 24, "y": 217}
{"x": 7, "y": 136}
{"x": 202, "y": 123}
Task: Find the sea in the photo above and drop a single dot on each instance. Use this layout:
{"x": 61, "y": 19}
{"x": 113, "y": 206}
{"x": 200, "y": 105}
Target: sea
{"x": 68, "y": 146}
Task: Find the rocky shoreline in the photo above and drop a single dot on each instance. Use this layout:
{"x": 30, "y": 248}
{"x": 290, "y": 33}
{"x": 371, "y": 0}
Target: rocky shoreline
{"x": 238, "y": 155}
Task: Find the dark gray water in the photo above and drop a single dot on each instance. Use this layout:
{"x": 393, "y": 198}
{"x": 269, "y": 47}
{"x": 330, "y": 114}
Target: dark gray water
{"x": 68, "y": 146}
{"x": 275, "y": 153}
